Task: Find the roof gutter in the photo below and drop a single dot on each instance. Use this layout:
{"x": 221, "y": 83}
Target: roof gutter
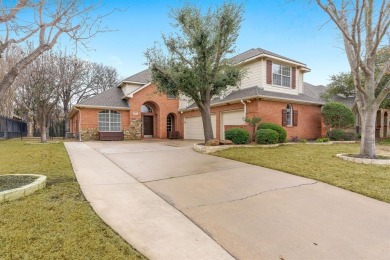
{"x": 239, "y": 100}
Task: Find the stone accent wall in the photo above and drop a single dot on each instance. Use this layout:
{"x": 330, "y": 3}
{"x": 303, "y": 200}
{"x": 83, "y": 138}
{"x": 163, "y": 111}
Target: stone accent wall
{"x": 134, "y": 131}
{"x": 89, "y": 134}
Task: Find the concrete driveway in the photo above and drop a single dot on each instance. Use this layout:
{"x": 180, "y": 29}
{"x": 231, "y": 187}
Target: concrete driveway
{"x": 254, "y": 212}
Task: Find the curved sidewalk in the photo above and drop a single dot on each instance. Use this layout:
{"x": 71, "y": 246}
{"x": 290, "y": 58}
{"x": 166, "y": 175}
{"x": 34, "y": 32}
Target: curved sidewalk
{"x": 142, "y": 218}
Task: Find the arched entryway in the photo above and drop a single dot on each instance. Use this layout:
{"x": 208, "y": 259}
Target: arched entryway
{"x": 385, "y": 125}
{"x": 149, "y": 119}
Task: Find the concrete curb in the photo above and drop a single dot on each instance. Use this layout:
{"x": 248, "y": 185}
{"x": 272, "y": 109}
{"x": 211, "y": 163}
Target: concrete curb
{"x": 23, "y": 191}
{"x": 345, "y": 157}
{"x": 212, "y": 149}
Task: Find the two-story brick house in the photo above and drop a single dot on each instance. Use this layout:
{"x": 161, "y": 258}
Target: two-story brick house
{"x": 272, "y": 89}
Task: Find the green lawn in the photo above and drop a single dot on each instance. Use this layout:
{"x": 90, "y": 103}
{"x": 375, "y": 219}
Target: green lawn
{"x": 56, "y": 222}
{"x": 318, "y": 162}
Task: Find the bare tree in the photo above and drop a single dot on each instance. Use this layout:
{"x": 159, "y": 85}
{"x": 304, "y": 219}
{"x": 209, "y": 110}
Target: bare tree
{"x": 39, "y": 93}
{"x": 46, "y": 22}
{"x": 364, "y": 25}
{"x": 98, "y": 78}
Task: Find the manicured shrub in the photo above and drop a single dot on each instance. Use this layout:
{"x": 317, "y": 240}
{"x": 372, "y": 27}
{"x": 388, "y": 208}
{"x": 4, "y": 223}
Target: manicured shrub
{"x": 350, "y": 136}
{"x": 266, "y": 136}
{"x": 341, "y": 135}
{"x": 336, "y": 135}
{"x": 322, "y": 140}
{"x": 303, "y": 141}
{"x": 338, "y": 115}
{"x": 279, "y": 129}
{"x": 237, "y": 135}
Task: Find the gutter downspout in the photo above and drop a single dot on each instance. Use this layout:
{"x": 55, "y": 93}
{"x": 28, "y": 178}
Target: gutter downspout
{"x": 242, "y": 102}
{"x": 79, "y": 122}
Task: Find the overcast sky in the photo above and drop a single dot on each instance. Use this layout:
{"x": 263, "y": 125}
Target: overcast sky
{"x": 295, "y": 29}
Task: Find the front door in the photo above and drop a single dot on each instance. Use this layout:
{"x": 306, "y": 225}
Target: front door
{"x": 148, "y": 126}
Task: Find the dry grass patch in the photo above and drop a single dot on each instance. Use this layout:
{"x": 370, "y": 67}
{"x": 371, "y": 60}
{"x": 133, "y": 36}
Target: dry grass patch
{"x": 56, "y": 222}
{"x": 319, "y": 162}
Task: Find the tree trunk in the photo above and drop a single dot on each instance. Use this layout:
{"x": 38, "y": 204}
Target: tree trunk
{"x": 43, "y": 130}
{"x": 207, "y": 125}
{"x": 367, "y": 145}
{"x": 66, "y": 121}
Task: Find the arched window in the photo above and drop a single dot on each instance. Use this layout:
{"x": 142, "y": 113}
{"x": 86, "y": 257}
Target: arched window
{"x": 109, "y": 121}
{"x": 289, "y": 115}
{"x": 146, "y": 109}
{"x": 170, "y": 123}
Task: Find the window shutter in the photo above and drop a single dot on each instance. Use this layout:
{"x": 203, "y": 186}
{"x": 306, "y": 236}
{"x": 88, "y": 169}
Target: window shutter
{"x": 284, "y": 117}
{"x": 269, "y": 72}
{"x": 294, "y": 78}
{"x": 295, "y": 117}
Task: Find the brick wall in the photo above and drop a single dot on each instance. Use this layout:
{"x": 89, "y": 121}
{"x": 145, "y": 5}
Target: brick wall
{"x": 161, "y": 105}
{"x": 310, "y": 123}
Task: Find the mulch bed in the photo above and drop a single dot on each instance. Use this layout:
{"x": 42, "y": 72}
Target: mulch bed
{"x": 9, "y": 182}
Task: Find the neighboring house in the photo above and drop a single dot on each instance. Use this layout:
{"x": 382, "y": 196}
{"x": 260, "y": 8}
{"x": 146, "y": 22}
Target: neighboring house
{"x": 272, "y": 89}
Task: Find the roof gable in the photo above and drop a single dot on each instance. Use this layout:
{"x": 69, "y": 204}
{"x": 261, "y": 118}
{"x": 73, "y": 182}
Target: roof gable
{"x": 252, "y": 53}
{"x": 144, "y": 77}
{"x": 109, "y": 98}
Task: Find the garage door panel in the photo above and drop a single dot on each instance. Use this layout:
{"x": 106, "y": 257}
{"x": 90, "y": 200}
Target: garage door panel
{"x": 193, "y": 127}
{"x": 231, "y": 118}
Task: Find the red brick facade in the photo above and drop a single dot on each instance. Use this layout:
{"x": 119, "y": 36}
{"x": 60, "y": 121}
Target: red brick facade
{"x": 86, "y": 118}
{"x": 309, "y": 126}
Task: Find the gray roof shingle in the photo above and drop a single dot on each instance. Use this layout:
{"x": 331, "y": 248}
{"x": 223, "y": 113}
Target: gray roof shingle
{"x": 256, "y": 52}
{"x": 109, "y": 98}
{"x": 144, "y": 76}
{"x": 261, "y": 93}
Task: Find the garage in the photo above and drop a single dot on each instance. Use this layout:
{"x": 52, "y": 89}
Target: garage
{"x": 193, "y": 127}
{"x": 231, "y": 118}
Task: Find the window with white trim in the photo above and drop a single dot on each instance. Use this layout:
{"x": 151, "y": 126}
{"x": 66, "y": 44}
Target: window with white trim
{"x": 281, "y": 75}
{"x": 109, "y": 121}
{"x": 289, "y": 115}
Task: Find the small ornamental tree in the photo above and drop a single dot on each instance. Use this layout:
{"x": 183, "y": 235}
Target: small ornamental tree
{"x": 253, "y": 122}
{"x": 337, "y": 115}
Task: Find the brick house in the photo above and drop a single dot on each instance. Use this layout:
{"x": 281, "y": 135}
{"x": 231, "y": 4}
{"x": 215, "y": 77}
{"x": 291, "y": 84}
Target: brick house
{"x": 272, "y": 89}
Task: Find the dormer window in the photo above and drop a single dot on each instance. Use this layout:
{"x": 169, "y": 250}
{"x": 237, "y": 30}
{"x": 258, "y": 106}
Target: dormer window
{"x": 281, "y": 75}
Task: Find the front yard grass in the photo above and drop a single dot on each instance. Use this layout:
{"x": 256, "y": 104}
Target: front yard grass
{"x": 318, "y": 162}
{"x": 56, "y": 222}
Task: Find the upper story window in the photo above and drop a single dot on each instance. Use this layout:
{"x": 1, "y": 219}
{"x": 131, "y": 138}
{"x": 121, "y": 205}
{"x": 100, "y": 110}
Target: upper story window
{"x": 109, "y": 121}
{"x": 281, "y": 75}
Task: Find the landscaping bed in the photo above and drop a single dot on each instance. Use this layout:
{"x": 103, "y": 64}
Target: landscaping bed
{"x": 9, "y": 182}
{"x": 319, "y": 162}
{"x": 56, "y": 222}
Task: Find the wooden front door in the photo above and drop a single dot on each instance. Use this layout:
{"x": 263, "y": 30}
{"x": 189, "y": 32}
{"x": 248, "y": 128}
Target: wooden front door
{"x": 148, "y": 126}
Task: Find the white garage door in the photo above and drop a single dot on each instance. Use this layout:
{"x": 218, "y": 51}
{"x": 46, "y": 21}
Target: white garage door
{"x": 193, "y": 127}
{"x": 231, "y": 118}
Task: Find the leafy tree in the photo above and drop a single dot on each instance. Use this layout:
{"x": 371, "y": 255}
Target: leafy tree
{"x": 195, "y": 63}
{"x": 363, "y": 25}
{"x": 341, "y": 83}
{"x": 337, "y": 115}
